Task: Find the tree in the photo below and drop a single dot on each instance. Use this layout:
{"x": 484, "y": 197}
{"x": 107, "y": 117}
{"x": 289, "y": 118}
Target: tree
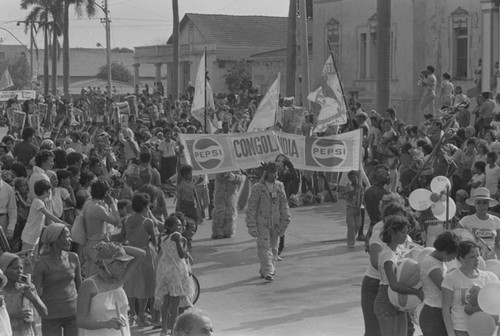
{"x": 175, "y": 41}
{"x": 118, "y": 72}
{"x": 19, "y": 70}
{"x": 81, "y": 6}
{"x": 39, "y": 17}
{"x": 383, "y": 54}
{"x": 291, "y": 49}
{"x": 238, "y": 77}
{"x": 56, "y": 30}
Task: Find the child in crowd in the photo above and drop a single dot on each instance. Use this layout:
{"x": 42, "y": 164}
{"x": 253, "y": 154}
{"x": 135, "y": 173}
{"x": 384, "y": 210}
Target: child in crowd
{"x": 478, "y": 178}
{"x": 186, "y": 193}
{"x": 37, "y": 214}
{"x": 173, "y": 281}
{"x": 23, "y": 208}
{"x": 68, "y": 198}
{"x": 354, "y": 198}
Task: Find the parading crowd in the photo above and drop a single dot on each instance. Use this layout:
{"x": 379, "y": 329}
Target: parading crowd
{"x": 460, "y": 141}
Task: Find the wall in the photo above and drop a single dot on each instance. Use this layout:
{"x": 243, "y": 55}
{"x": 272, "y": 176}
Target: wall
{"x": 264, "y": 73}
{"x": 421, "y": 37}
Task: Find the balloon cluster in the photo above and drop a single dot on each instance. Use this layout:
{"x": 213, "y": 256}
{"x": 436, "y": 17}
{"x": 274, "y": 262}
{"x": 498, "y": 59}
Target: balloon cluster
{"x": 436, "y": 199}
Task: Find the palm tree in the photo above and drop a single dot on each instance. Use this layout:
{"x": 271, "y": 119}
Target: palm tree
{"x": 175, "y": 40}
{"x": 39, "y": 16}
{"x": 291, "y": 49}
{"x": 86, "y": 7}
{"x": 383, "y": 54}
{"x": 56, "y": 30}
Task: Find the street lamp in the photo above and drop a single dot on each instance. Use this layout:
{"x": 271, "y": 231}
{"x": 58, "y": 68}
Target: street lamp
{"x": 108, "y": 38}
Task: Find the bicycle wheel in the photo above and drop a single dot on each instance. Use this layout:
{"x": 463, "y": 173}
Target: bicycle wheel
{"x": 196, "y": 285}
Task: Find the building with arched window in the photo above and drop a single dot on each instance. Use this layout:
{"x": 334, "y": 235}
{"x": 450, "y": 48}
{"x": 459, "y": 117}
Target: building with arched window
{"x": 452, "y": 36}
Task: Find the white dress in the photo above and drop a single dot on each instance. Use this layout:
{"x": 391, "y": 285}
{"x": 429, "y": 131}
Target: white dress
{"x": 102, "y": 308}
{"x": 172, "y": 274}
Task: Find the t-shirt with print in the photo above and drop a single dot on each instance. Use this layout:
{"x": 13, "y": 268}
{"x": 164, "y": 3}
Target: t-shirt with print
{"x": 34, "y": 223}
{"x": 461, "y": 286}
{"x": 484, "y": 229}
{"x": 432, "y": 293}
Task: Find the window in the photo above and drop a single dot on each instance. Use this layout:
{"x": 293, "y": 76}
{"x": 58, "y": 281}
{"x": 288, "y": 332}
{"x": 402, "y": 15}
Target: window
{"x": 367, "y": 45}
{"x": 460, "y": 35}
{"x": 332, "y": 32}
{"x": 191, "y": 33}
{"x": 362, "y": 55}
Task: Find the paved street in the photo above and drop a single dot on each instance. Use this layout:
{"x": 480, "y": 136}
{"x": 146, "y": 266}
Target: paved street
{"x": 316, "y": 290}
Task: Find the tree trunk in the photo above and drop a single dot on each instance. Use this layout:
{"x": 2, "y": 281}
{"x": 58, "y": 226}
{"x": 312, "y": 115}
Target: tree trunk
{"x": 46, "y": 59}
{"x": 291, "y": 49}
{"x": 175, "y": 39}
{"x": 54, "y": 62}
{"x": 66, "y": 49}
{"x": 383, "y": 55}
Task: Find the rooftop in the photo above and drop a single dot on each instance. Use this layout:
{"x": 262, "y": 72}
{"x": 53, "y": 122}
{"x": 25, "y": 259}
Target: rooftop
{"x": 259, "y": 32}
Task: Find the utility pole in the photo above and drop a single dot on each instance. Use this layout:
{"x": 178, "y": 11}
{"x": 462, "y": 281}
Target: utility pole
{"x": 304, "y": 53}
{"x": 108, "y": 44}
{"x": 31, "y": 54}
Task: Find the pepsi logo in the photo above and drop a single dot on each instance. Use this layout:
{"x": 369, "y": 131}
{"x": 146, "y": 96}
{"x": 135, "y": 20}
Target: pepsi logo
{"x": 208, "y": 153}
{"x": 329, "y": 153}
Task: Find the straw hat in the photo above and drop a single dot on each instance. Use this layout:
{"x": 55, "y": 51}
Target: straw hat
{"x": 481, "y": 194}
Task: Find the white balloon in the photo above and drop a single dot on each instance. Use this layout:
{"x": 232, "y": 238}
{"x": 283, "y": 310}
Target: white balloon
{"x": 489, "y": 298}
{"x": 420, "y": 199}
{"x": 451, "y": 211}
{"x": 438, "y": 208}
{"x": 439, "y": 184}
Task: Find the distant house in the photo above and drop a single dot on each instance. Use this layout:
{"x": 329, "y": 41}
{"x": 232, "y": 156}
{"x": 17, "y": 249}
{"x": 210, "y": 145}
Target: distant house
{"x": 227, "y": 39}
{"x": 85, "y": 64}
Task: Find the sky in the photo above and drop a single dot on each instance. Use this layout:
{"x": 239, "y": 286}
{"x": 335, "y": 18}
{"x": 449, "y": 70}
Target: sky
{"x": 133, "y": 22}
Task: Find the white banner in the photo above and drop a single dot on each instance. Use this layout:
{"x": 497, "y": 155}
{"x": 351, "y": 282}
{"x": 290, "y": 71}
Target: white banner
{"x": 218, "y": 153}
{"x": 21, "y": 95}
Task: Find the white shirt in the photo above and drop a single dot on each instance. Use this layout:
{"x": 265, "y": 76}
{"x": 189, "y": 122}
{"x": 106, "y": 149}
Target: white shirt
{"x": 461, "y": 285}
{"x": 60, "y": 195}
{"x": 484, "y": 229}
{"x": 432, "y": 294}
{"x": 167, "y": 148}
{"x": 37, "y": 175}
{"x": 34, "y": 223}
{"x": 8, "y": 204}
{"x": 386, "y": 255}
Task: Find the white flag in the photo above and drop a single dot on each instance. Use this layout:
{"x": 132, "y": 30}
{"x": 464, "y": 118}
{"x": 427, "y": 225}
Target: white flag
{"x": 266, "y": 112}
{"x": 199, "y": 104}
{"x": 329, "y": 96}
{"x": 6, "y": 81}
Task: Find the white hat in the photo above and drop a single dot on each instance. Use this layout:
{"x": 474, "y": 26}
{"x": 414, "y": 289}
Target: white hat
{"x": 481, "y": 194}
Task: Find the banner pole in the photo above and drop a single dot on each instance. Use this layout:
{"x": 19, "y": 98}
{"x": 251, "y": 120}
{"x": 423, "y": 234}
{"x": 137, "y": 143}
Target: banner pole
{"x": 205, "y": 90}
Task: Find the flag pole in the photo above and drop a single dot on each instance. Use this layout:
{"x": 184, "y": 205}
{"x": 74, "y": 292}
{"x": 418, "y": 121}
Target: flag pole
{"x": 205, "y": 91}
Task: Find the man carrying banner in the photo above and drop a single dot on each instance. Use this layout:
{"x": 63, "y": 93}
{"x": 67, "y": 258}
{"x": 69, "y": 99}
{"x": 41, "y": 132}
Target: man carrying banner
{"x": 268, "y": 217}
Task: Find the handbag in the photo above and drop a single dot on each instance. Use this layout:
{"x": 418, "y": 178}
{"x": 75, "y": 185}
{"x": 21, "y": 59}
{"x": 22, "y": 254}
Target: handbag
{"x": 78, "y": 232}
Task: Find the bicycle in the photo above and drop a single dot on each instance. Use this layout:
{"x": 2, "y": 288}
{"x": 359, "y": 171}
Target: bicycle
{"x": 196, "y": 285}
